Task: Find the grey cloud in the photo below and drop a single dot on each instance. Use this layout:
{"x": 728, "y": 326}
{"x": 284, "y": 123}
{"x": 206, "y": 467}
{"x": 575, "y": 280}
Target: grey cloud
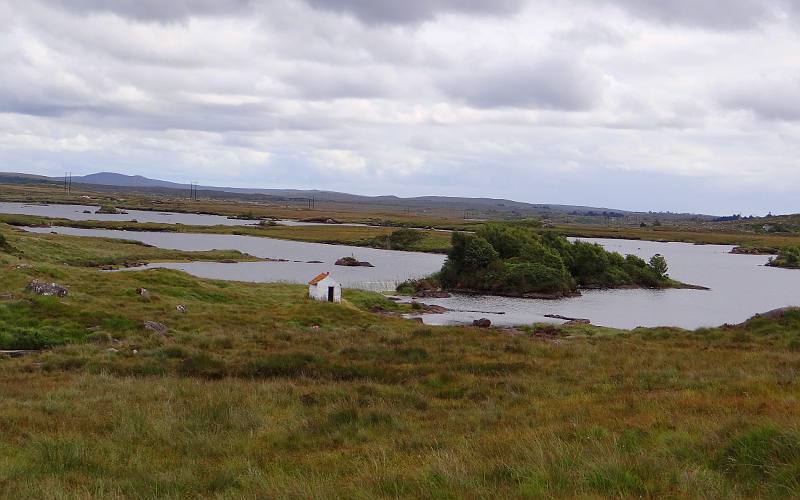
{"x": 154, "y": 10}
{"x": 415, "y": 11}
{"x": 727, "y": 14}
{"x": 558, "y": 84}
{"x": 769, "y": 99}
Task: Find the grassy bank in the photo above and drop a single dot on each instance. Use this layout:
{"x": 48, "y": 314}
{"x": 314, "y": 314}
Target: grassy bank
{"x": 48, "y": 250}
{"x": 748, "y": 234}
{"x": 722, "y": 236}
{"x": 256, "y": 391}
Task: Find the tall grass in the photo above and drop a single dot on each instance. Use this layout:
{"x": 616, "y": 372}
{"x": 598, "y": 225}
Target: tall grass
{"x": 256, "y": 391}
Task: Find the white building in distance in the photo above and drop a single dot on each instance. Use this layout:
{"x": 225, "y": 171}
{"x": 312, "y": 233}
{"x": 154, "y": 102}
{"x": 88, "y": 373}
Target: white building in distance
{"x": 325, "y": 289}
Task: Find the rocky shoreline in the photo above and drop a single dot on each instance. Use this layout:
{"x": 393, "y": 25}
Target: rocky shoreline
{"x": 739, "y": 250}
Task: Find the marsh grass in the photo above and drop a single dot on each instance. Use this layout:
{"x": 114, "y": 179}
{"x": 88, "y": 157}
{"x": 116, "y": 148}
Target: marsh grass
{"x": 257, "y": 391}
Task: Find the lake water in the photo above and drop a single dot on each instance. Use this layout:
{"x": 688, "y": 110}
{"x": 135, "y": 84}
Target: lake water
{"x": 391, "y": 267}
{"x": 740, "y": 284}
{"x": 87, "y": 212}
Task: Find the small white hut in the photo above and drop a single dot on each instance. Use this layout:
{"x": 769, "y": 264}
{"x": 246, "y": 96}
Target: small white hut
{"x": 325, "y": 289}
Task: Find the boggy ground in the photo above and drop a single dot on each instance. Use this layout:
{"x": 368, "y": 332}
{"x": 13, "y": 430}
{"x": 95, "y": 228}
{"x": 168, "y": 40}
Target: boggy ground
{"x": 257, "y": 392}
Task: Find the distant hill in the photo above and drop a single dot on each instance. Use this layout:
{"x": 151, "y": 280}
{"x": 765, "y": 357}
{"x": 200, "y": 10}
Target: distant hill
{"x": 472, "y": 207}
{"x": 114, "y": 179}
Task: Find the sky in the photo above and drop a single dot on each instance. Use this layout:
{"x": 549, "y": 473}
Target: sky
{"x": 663, "y": 105}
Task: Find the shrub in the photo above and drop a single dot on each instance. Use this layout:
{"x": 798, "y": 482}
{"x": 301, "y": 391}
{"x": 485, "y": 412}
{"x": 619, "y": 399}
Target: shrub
{"x": 203, "y": 365}
{"x": 404, "y": 239}
{"x": 283, "y": 365}
{"x": 787, "y": 257}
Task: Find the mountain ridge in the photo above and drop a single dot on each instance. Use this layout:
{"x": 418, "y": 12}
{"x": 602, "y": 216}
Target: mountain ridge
{"x": 483, "y": 204}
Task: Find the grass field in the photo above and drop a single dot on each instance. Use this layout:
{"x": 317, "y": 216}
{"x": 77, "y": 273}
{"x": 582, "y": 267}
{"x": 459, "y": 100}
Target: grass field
{"x": 258, "y": 392}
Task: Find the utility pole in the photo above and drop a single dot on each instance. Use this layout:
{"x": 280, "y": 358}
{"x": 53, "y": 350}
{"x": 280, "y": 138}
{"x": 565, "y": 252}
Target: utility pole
{"x": 69, "y": 185}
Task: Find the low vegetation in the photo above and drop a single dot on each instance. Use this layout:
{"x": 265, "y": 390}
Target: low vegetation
{"x": 255, "y": 391}
{"x": 788, "y": 257}
{"x": 401, "y": 239}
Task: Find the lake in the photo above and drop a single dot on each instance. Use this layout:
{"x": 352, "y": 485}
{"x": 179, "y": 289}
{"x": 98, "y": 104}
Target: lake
{"x": 391, "y": 267}
{"x": 87, "y": 212}
{"x": 740, "y": 284}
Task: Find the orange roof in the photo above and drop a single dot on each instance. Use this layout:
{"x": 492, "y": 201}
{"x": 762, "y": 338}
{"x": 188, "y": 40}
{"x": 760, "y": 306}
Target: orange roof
{"x": 319, "y": 278}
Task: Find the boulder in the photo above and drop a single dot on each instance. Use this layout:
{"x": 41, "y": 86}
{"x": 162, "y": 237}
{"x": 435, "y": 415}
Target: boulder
{"x": 576, "y": 322}
{"x": 776, "y": 313}
{"x": 155, "y": 327}
{"x": 48, "y": 289}
{"x": 434, "y": 294}
{"x": 352, "y": 262}
{"x": 482, "y": 323}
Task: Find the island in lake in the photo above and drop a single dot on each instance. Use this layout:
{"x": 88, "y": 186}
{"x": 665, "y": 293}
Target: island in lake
{"x": 514, "y": 260}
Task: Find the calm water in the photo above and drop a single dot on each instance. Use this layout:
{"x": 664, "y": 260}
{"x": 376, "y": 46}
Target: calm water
{"x": 391, "y": 267}
{"x": 79, "y": 212}
{"x": 741, "y": 284}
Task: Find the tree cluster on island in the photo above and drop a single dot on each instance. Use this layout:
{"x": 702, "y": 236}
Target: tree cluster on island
{"x": 507, "y": 260}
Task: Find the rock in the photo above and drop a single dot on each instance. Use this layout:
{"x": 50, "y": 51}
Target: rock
{"x": 112, "y": 350}
{"x": 180, "y": 308}
{"x": 434, "y": 294}
{"x": 576, "y": 322}
{"x": 547, "y": 332}
{"x": 143, "y": 292}
{"x": 420, "y": 308}
{"x": 155, "y": 327}
{"x": 314, "y": 262}
{"x": 383, "y": 312}
{"x": 352, "y": 262}
{"x": 776, "y": 313}
{"x": 321, "y": 220}
{"x": 482, "y": 323}
{"x": 570, "y": 321}
{"x": 48, "y": 289}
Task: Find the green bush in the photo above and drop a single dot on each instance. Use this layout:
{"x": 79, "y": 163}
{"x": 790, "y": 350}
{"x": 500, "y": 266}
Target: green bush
{"x": 787, "y": 257}
{"x": 405, "y": 239}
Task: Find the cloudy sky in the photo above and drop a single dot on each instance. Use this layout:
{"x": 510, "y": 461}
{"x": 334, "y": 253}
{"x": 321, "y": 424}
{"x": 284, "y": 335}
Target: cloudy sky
{"x": 679, "y": 105}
